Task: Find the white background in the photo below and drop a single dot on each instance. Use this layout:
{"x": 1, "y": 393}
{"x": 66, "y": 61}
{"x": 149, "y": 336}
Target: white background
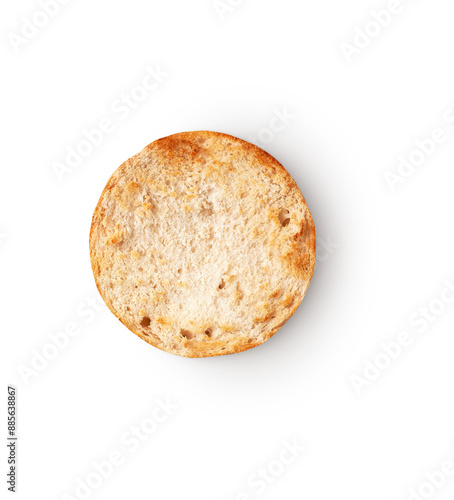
{"x": 383, "y": 254}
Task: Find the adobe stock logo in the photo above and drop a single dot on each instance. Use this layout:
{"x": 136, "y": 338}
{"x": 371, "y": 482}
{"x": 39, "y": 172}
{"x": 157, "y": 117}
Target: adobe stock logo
{"x": 120, "y": 109}
{"x": 280, "y": 120}
{"x": 394, "y": 349}
{"x": 409, "y": 163}
{"x": 325, "y": 249}
{"x": 263, "y": 477}
{"x": 373, "y": 28}
{"x": 39, "y": 20}
{"x": 434, "y": 482}
{"x": 40, "y": 358}
{"x": 131, "y": 440}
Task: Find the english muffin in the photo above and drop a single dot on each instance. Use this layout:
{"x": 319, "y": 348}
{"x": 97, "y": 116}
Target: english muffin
{"x": 202, "y": 244}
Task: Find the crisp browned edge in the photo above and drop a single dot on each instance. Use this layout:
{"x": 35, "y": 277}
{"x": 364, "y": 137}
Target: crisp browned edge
{"x": 268, "y": 161}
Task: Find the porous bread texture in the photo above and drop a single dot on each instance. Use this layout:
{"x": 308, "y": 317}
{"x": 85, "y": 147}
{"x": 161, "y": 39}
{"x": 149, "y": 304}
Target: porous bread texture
{"x": 202, "y": 244}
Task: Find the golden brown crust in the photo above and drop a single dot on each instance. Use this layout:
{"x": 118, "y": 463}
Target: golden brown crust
{"x": 176, "y": 157}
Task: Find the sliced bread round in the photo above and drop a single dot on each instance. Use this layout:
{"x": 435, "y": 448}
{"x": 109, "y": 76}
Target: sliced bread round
{"x": 202, "y": 244}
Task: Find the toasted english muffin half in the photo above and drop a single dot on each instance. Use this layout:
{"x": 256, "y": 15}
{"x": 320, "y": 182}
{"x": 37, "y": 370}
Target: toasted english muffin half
{"x": 202, "y": 244}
